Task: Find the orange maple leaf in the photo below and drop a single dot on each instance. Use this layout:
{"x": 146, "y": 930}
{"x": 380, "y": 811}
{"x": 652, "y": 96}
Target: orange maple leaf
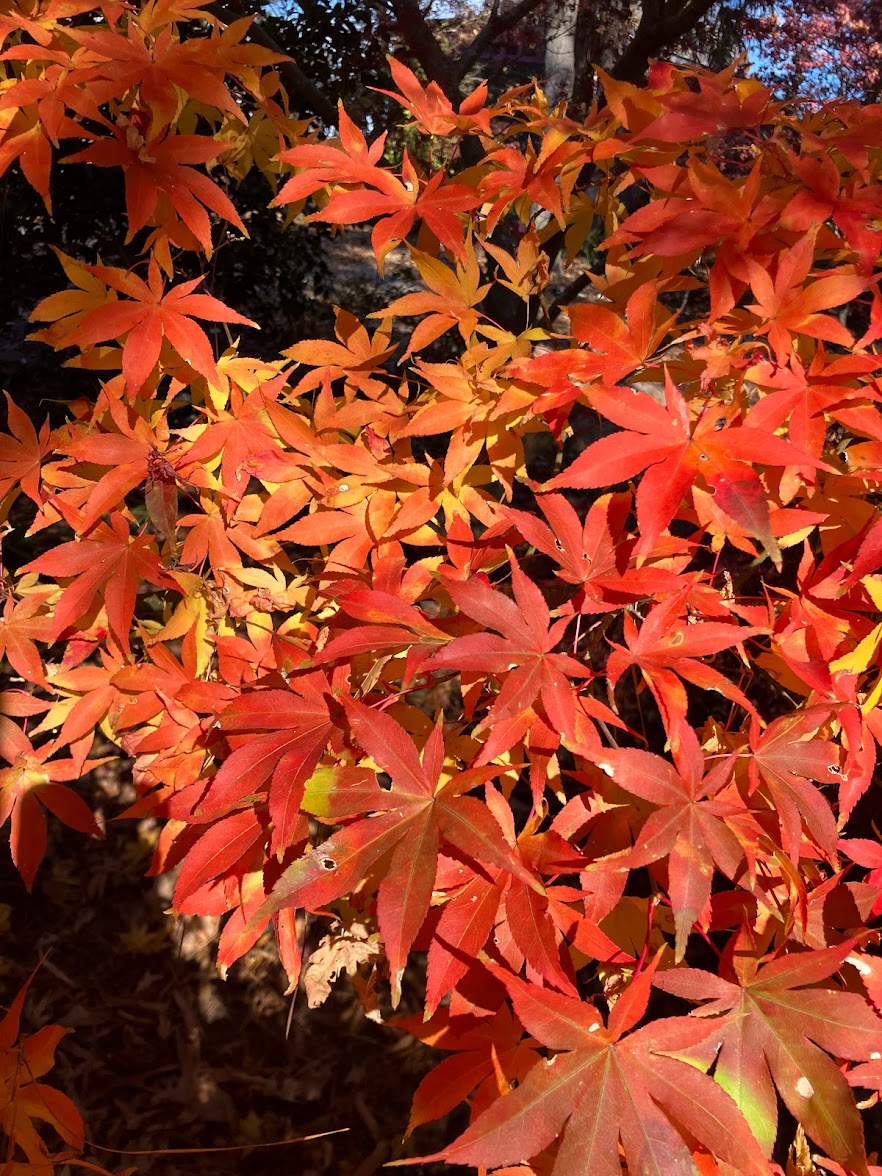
{"x": 22, "y": 453}
{"x": 33, "y": 118}
{"x": 25, "y": 1100}
{"x": 158, "y": 175}
{"x": 149, "y": 314}
{"x": 455, "y": 295}
{"x": 135, "y": 454}
{"x": 23, "y": 623}
{"x": 163, "y": 65}
{"x": 433, "y": 110}
{"x": 786, "y": 307}
{"x": 438, "y": 204}
{"x": 108, "y": 566}
{"x": 357, "y": 357}
{"x": 67, "y": 308}
{"x": 33, "y": 774}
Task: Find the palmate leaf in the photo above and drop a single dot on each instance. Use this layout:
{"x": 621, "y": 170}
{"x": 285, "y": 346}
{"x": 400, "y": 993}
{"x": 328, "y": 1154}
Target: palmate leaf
{"x": 22, "y": 452}
{"x": 107, "y": 567}
{"x": 786, "y": 759}
{"x": 358, "y": 357}
{"x": 279, "y": 737}
{"x": 133, "y": 455}
{"x": 606, "y": 1085}
{"x": 452, "y": 303}
{"x": 23, "y": 624}
{"x": 661, "y": 439}
{"x": 785, "y": 306}
{"x": 619, "y": 343}
{"x": 803, "y": 394}
{"x": 26, "y": 1101}
{"x": 382, "y": 621}
{"x": 165, "y": 65}
{"x": 400, "y": 830}
{"x": 590, "y": 553}
{"x": 530, "y": 928}
{"x": 775, "y": 1030}
{"x": 525, "y": 651}
{"x": 431, "y": 107}
{"x": 163, "y": 168}
{"x": 149, "y": 314}
{"x": 463, "y": 929}
{"x": 701, "y": 822}
{"x": 238, "y": 437}
{"x": 400, "y": 203}
{"x": 666, "y": 649}
{"x": 486, "y": 1054}
{"x": 31, "y": 781}
{"x": 221, "y": 847}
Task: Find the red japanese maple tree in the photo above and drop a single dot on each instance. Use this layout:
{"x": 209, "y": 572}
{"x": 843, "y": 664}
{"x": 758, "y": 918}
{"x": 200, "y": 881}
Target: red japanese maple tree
{"x": 541, "y": 638}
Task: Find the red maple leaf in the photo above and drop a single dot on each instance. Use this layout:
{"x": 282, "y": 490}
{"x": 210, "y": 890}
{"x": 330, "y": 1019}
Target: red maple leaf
{"x": 602, "y": 1085}
{"x": 701, "y": 822}
{"x": 667, "y": 647}
{"x": 527, "y": 927}
{"x": 23, "y": 625}
{"x": 239, "y": 436}
{"x": 278, "y": 738}
{"x": 231, "y": 845}
{"x": 488, "y": 1054}
{"x": 593, "y": 554}
{"x": 524, "y": 649}
{"x": 407, "y": 824}
{"x": 785, "y": 760}
{"x": 864, "y": 852}
{"x": 32, "y": 781}
{"x": 661, "y": 439}
{"x": 438, "y": 202}
{"x": 618, "y": 344}
{"x": 773, "y": 1028}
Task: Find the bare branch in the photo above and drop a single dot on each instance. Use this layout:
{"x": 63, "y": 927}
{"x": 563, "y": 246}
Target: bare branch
{"x": 423, "y": 44}
{"x": 497, "y": 24}
{"x": 299, "y": 86}
{"x": 661, "y": 25}
{"x": 573, "y": 290}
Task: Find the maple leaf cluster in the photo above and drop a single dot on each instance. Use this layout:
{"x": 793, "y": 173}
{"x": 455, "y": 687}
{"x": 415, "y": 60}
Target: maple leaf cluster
{"x": 25, "y": 1101}
{"x": 550, "y": 649}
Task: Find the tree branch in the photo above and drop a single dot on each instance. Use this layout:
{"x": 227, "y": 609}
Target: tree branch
{"x": 573, "y": 290}
{"x": 660, "y": 26}
{"x": 299, "y": 86}
{"x": 423, "y": 44}
{"x": 497, "y": 24}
